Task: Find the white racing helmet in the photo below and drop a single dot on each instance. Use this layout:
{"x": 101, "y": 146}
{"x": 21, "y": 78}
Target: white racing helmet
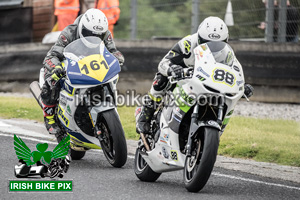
{"x": 212, "y": 29}
{"x": 92, "y": 23}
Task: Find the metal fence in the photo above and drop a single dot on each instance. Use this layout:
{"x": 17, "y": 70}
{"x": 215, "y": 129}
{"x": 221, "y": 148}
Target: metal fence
{"x": 247, "y": 19}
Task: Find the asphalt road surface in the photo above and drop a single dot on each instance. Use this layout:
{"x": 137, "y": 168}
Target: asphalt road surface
{"x": 93, "y": 177}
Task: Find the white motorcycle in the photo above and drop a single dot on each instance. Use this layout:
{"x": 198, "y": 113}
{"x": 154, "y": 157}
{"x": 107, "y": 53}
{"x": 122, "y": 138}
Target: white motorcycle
{"x": 86, "y": 109}
{"x": 188, "y": 124}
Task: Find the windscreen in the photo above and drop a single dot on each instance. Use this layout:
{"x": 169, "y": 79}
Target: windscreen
{"x": 82, "y": 48}
{"x": 222, "y": 52}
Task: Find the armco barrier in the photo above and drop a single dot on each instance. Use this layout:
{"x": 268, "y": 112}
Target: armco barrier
{"x": 274, "y": 69}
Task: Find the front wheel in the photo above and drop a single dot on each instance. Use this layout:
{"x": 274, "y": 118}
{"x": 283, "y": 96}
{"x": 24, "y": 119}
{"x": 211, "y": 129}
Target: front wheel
{"x": 142, "y": 169}
{"x": 113, "y": 141}
{"x": 199, "y": 165}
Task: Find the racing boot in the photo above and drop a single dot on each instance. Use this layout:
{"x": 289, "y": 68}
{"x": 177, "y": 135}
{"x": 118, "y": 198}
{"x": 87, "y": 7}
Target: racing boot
{"x": 51, "y": 125}
{"x": 146, "y": 114}
{"x": 53, "y": 128}
{"x": 49, "y": 119}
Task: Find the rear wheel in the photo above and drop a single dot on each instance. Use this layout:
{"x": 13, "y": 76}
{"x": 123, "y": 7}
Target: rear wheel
{"x": 113, "y": 141}
{"x": 142, "y": 169}
{"x": 199, "y": 165}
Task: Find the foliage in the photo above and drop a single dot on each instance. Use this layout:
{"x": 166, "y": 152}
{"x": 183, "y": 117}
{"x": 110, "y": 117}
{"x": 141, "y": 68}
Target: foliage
{"x": 172, "y": 18}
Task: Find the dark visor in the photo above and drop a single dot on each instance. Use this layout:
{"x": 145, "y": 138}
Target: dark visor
{"x": 202, "y": 40}
{"x": 85, "y": 32}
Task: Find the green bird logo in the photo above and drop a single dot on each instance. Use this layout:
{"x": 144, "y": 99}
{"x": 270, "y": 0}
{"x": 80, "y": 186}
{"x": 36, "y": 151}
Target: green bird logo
{"x": 24, "y": 153}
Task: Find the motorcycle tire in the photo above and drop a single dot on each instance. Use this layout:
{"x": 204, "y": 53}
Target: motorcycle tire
{"x": 197, "y": 173}
{"x": 77, "y": 155}
{"x": 114, "y": 146}
{"x": 142, "y": 170}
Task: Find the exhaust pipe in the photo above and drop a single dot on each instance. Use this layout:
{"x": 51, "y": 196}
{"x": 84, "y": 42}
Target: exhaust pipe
{"x": 36, "y": 92}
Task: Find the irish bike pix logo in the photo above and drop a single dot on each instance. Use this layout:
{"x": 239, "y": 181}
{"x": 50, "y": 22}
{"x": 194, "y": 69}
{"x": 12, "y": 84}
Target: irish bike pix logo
{"x": 41, "y": 162}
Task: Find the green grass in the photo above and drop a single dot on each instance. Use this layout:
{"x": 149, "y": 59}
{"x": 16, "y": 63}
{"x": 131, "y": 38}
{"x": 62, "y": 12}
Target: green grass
{"x": 267, "y": 140}
{"x": 276, "y": 141}
{"x": 17, "y": 107}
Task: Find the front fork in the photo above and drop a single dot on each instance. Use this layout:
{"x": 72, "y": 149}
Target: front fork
{"x": 194, "y": 119}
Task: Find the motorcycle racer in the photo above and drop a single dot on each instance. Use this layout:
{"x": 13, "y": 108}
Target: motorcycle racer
{"x": 92, "y": 23}
{"x": 181, "y": 56}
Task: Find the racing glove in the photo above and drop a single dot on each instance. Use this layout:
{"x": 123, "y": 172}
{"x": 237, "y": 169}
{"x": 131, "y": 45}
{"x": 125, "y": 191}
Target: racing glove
{"x": 176, "y": 71}
{"x": 119, "y": 56}
{"x": 248, "y": 90}
{"x": 57, "y": 73}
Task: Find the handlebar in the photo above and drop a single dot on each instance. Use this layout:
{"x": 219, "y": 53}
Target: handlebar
{"x": 52, "y": 83}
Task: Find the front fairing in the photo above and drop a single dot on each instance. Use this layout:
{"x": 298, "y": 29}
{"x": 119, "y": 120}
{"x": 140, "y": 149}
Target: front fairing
{"x": 211, "y": 78}
{"x": 90, "y": 64}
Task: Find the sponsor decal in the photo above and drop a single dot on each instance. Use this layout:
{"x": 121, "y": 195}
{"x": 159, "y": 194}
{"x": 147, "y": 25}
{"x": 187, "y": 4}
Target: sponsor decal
{"x": 199, "y": 69}
{"x": 239, "y": 82}
{"x": 68, "y": 88}
{"x": 165, "y": 153}
{"x": 98, "y": 28}
{"x": 63, "y": 38}
{"x": 109, "y": 38}
{"x": 75, "y": 73}
{"x": 69, "y": 109}
{"x": 229, "y": 58}
{"x": 187, "y": 46}
{"x": 73, "y": 63}
{"x": 185, "y": 96}
{"x": 200, "y": 77}
{"x": 174, "y": 117}
{"x": 61, "y": 115}
{"x": 49, "y": 110}
{"x": 164, "y": 138}
{"x": 212, "y": 123}
{"x": 49, "y": 63}
{"x": 156, "y": 82}
{"x": 201, "y": 54}
{"x": 65, "y": 97}
{"x": 177, "y": 112}
{"x": 236, "y": 68}
{"x": 174, "y": 155}
{"x": 214, "y": 36}
{"x": 62, "y": 101}
{"x": 138, "y": 110}
{"x": 204, "y": 47}
{"x": 197, "y": 53}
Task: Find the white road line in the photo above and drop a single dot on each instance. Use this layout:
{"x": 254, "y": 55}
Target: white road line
{"x": 2, "y": 124}
{"x": 94, "y": 151}
{"x": 28, "y": 138}
{"x": 255, "y": 181}
{"x": 8, "y": 128}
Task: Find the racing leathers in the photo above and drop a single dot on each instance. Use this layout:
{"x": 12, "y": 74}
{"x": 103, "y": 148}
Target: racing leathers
{"x": 180, "y": 56}
{"x": 54, "y": 70}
